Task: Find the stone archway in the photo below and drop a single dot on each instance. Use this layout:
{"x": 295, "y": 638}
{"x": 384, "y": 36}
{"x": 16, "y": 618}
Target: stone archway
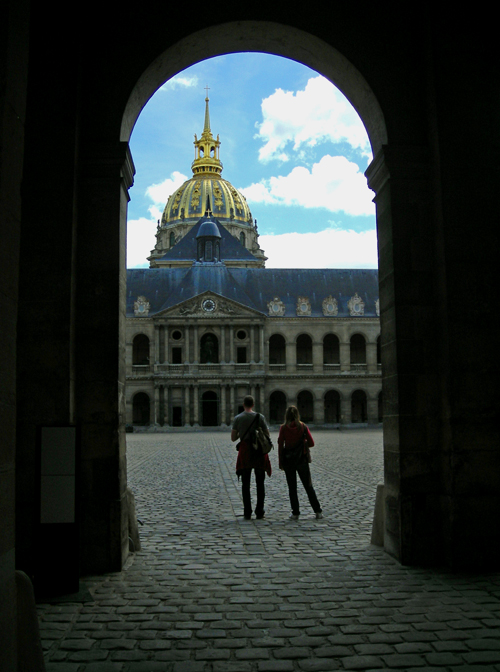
{"x": 141, "y": 409}
{"x": 277, "y": 407}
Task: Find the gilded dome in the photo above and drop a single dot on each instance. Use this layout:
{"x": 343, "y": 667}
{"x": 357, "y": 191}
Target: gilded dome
{"x": 187, "y": 203}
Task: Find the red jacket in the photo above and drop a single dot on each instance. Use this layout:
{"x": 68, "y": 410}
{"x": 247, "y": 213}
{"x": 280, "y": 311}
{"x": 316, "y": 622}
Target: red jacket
{"x": 289, "y": 435}
{"x": 249, "y": 458}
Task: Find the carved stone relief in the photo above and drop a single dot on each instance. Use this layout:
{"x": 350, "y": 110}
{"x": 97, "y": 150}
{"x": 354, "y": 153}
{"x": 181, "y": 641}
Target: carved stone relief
{"x": 276, "y": 307}
{"x": 303, "y": 306}
{"x": 330, "y": 306}
{"x": 141, "y": 307}
{"x": 356, "y": 305}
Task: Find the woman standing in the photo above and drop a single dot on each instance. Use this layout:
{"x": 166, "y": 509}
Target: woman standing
{"x": 294, "y": 441}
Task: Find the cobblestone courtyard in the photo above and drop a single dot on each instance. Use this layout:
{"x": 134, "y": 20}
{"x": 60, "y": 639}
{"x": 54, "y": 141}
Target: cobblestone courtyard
{"x": 212, "y": 592}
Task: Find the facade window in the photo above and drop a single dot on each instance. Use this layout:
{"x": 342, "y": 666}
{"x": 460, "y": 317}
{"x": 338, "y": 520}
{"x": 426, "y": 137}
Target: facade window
{"x": 305, "y": 404}
{"x": 304, "y": 349}
{"x": 209, "y": 349}
{"x": 277, "y": 349}
{"x": 177, "y": 335}
{"x": 176, "y": 355}
{"x": 241, "y": 355}
{"x": 332, "y": 407}
{"x": 331, "y": 349}
{"x": 172, "y": 239}
{"x": 141, "y": 410}
{"x": 359, "y": 407}
{"x": 140, "y": 350}
{"x": 358, "y": 349}
{"x": 242, "y": 239}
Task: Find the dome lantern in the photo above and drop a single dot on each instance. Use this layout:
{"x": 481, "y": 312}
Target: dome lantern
{"x": 206, "y": 150}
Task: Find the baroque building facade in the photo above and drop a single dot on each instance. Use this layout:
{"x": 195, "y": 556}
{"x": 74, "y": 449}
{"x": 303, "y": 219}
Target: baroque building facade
{"x": 207, "y": 323}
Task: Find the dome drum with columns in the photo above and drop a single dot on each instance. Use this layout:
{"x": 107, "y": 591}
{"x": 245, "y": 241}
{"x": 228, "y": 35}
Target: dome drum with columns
{"x": 186, "y": 205}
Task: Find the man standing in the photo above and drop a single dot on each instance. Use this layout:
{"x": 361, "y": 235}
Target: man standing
{"x": 244, "y": 425}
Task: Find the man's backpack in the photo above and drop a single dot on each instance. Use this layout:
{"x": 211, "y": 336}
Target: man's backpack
{"x": 259, "y": 440}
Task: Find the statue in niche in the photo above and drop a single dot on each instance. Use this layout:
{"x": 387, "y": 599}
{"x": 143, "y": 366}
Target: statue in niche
{"x": 209, "y": 350}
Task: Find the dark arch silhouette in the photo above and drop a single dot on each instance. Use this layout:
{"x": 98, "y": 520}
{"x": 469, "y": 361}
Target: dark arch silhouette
{"x": 359, "y": 407}
{"x": 277, "y": 407}
{"x": 141, "y": 409}
{"x": 209, "y": 409}
{"x": 332, "y": 407}
{"x": 305, "y": 404}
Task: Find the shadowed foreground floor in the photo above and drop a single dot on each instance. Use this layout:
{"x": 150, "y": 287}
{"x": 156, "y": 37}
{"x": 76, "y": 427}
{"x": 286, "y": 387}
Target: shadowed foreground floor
{"x": 212, "y": 592}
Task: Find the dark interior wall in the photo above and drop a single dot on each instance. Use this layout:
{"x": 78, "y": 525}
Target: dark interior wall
{"x": 435, "y": 174}
{"x": 13, "y": 73}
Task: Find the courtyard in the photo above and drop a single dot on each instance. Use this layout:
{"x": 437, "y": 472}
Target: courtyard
{"x": 212, "y": 592}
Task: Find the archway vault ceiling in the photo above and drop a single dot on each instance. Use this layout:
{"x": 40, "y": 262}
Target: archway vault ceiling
{"x": 267, "y": 37}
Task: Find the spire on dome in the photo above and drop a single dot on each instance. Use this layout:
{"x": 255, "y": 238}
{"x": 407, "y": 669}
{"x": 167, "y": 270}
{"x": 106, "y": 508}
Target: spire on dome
{"x": 206, "y": 127}
{"x": 206, "y": 150}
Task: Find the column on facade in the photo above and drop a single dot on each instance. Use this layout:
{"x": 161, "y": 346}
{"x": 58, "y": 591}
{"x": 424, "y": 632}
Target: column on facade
{"x": 291, "y": 358}
{"x": 223, "y": 344}
{"x": 165, "y": 336}
{"x": 372, "y": 409}
{"x": 345, "y": 355}
{"x": 196, "y": 405}
{"x": 231, "y": 344}
{"x": 345, "y": 410}
{"x": 261, "y": 344}
{"x": 196, "y": 345}
{"x": 166, "y": 419}
{"x": 157, "y": 405}
{"x": 187, "y": 414}
{"x": 157, "y": 344}
{"x": 319, "y": 409}
{"x": 187, "y": 354}
{"x": 252, "y": 344}
{"x": 232, "y": 409}
{"x": 223, "y": 410}
{"x": 317, "y": 357}
{"x": 371, "y": 357}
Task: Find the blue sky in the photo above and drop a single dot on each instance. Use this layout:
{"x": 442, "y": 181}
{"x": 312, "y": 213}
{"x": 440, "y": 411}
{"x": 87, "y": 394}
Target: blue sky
{"x": 290, "y": 142}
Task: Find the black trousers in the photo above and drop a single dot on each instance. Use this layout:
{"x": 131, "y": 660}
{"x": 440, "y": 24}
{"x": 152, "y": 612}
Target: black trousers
{"x": 304, "y": 473}
{"x": 246, "y": 475}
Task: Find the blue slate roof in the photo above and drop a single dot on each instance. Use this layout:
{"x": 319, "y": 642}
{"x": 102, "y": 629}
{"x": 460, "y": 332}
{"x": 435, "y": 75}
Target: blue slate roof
{"x": 230, "y": 248}
{"x": 253, "y": 287}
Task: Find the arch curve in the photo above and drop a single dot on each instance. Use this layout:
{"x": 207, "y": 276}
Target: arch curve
{"x": 267, "y": 37}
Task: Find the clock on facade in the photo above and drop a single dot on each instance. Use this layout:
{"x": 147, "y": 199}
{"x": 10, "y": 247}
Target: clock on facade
{"x": 208, "y": 305}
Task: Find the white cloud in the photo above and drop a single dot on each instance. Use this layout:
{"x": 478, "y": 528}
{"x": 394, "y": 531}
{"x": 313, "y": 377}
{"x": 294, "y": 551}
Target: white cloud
{"x": 179, "y": 81}
{"x": 334, "y": 183}
{"x": 332, "y": 248}
{"x": 140, "y": 241}
{"x": 317, "y": 114}
{"x": 159, "y": 193}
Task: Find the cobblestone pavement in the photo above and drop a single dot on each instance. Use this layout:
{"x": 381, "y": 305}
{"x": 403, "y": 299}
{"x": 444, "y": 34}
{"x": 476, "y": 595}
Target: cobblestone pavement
{"x": 212, "y": 592}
